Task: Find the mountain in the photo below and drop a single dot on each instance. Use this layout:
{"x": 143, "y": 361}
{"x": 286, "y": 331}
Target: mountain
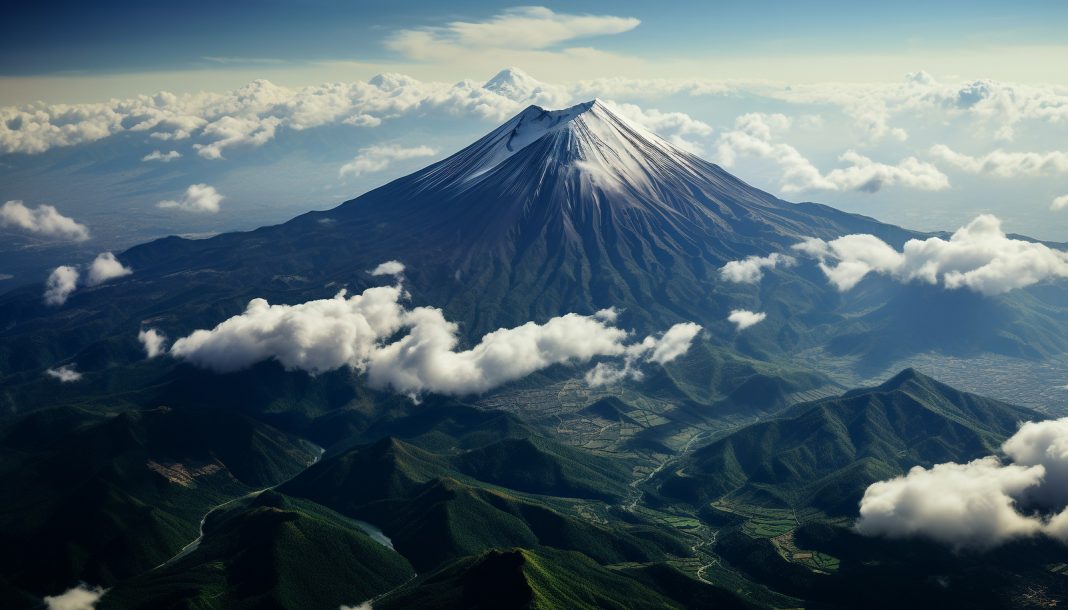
{"x": 102, "y": 498}
{"x": 538, "y": 578}
{"x": 441, "y": 502}
{"x": 555, "y": 211}
{"x": 824, "y": 454}
{"x": 270, "y": 551}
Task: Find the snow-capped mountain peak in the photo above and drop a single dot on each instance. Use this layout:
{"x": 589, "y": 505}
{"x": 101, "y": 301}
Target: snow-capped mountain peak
{"x": 590, "y": 140}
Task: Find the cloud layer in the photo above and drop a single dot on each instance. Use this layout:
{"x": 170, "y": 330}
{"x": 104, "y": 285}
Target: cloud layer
{"x": 197, "y": 198}
{"x": 412, "y": 351}
{"x": 978, "y": 256}
{"x": 42, "y": 220}
{"x": 379, "y": 157}
{"x": 978, "y": 504}
{"x": 754, "y": 135}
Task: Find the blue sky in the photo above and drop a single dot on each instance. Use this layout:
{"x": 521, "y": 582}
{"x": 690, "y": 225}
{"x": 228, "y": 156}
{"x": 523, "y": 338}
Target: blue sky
{"x": 121, "y": 37}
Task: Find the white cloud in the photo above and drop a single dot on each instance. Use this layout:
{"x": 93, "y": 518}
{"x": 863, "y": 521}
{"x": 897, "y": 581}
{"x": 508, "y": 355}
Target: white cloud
{"x": 755, "y": 133}
{"x": 65, "y": 373}
{"x": 82, "y": 597}
{"x": 43, "y": 220}
{"x": 530, "y": 27}
{"x": 672, "y": 344}
{"x": 1005, "y": 164}
{"x": 978, "y": 256}
{"x": 197, "y": 198}
{"x": 389, "y": 268}
{"x": 61, "y": 283}
{"x": 154, "y": 342}
{"x": 363, "y": 606}
{"x": 963, "y": 505}
{"x": 750, "y": 270}
{"x": 977, "y": 504}
{"x": 361, "y": 332}
{"x": 743, "y": 318}
{"x": 378, "y": 157}
{"x": 106, "y": 267}
{"x": 1059, "y": 203}
{"x": 166, "y": 157}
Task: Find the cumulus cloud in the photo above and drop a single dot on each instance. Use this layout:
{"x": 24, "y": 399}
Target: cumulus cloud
{"x": 978, "y": 504}
{"x": 755, "y": 135}
{"x": 1005, "y": 164}
{"x": 530, "y": 27}
{"x": 106, "y": 267}
{"x": 82, "y": 597}
{"x": 1059, "y": 203}
{"x": 379, "y": 157}
{"x": 197, "y": 198}
{"x": 65, "y": 373}
{"x": 389, "y": 268}
{"x": 659, "y": 350}
{"x": 60, "y": 284}
{"x": 42, "y": 220}
{"x": 153, "y": 342}
{"x": 364, "y": 332}
{"x": 750, "y": 270}
{"x": 957, "y": 504}
{"x": 166, "y": 157}
{"x": 978, "y": 256}
{"x": 743, "y": 318}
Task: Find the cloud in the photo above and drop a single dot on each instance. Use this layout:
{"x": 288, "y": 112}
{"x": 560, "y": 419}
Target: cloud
{"x": 364, "y": 332}
{"x": 61, "y": 283}
{"x": 754, "y": 136}
{"x": 166, "y": 157}
{"x": 531, "y": 27}
{"x": 154, "y": 342}
{"x": 978, "y": 504}
{"x": 82, "y": 597}
{"x": 379, "y": 157}
{"x": 978, "y": 256}
{"x": 65, "y": 373}
{"x": 363, "y": 606}
{"x": 743, "y": 318}
{"x": 106, "y": 267}
{"x": 750, "y": 270}
{"x": 43, "y": 220}
{"x": 672, "y": 344}
{"x": 197, "y": 198}
{"x": 1005, "y": 164}
{"x": 962, "y": 505}
{"x": 389, "y": 268}
{"x": 1059, "y": 203}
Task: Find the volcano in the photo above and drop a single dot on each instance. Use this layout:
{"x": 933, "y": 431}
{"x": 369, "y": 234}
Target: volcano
{"x": 555, "y": 211}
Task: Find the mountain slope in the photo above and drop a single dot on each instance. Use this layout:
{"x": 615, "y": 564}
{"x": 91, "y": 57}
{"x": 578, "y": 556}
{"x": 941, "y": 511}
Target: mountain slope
{"x": 102, "y": 498}
{"x": 270, "y": 551}
{"x": 825, "y": 453}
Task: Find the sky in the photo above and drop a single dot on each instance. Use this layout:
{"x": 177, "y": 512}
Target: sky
{"x": 135, "y": 120}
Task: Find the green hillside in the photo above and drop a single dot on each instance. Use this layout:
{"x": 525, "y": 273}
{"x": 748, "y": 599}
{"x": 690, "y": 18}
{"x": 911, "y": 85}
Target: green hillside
{"x": 824, "y": 454}
{"x": 270, "y": 551}
{"x": 103, "y": 498}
